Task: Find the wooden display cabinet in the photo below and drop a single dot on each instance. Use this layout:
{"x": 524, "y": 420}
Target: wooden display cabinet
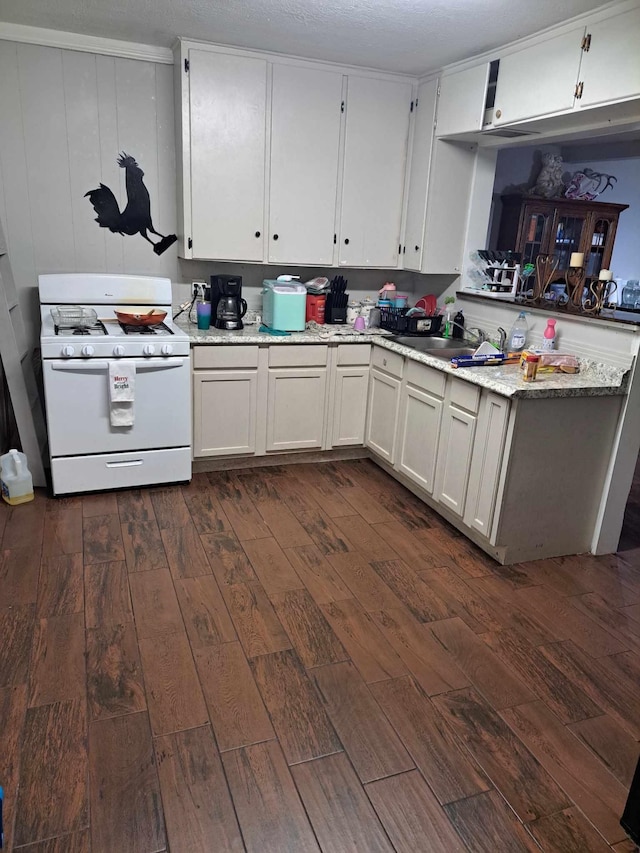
{"x": 559, "y": 227}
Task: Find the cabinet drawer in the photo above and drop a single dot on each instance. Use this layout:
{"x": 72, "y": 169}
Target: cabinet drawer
{"x": 298, "y": 355}
{"x": 349, "y": 354}
{"x": 427, "y": 378}
{"x": 224, "y": 356}
{"x": 464, "y": 395}
{"x": 388, "y": 361}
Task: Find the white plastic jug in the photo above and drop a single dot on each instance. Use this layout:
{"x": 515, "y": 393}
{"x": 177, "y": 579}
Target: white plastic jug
{"x": 17, "y": 483}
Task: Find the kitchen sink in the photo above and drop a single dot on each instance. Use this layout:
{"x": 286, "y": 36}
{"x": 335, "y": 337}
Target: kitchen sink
{"x": 440, "y": 347}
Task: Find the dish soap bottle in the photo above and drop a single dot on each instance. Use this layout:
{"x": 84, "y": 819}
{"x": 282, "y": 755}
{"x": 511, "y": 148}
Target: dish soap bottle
{"x": 549, "y": 335}
{"x": 458, "y": 326}
{"x": 518, "y": 334}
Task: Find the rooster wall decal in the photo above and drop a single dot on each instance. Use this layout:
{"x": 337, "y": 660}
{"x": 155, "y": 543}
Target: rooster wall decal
{"x": 136, "y": 217}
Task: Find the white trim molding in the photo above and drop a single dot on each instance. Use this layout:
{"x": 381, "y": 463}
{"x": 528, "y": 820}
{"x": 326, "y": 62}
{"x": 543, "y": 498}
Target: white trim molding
{"x": 85, "y": 43}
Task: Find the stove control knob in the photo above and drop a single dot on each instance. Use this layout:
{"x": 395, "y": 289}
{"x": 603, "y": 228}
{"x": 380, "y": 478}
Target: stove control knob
{"x": 167, "y": 349}
{"x": 68, "y": 351}
{"x": 148, "y": 349}
{"x": 88, "y": 350}
{"x": 118, "y": 350}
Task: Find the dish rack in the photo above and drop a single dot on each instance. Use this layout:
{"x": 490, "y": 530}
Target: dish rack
{"x": 396, "y": 320}
{"x": 74, "y": 317}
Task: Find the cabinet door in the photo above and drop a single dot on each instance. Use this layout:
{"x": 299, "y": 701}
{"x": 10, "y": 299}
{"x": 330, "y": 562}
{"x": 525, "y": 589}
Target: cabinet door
{"x": 375, "y": 154}
{"x": 382, "y": 414}
{"x": 610, "y": 69}
{"x": 228, "y": 96}
{"x": 538, "y": 80}
{"x": 454, "y": 457}
{"x": 295, "y": 408}
{"x": 462, "y": 99}
{"x": 419, "y": 436}
{"x": 349, "y": 406}
{"x": 305, "y": 137}
{"x": 601, "y": 235}
{"x": 419, "y": 177}
{"x": 224, "y": 412}
{"x": 486, "y": 463}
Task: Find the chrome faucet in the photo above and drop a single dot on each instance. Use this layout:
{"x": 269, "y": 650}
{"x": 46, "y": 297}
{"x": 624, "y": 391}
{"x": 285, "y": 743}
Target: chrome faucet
{"x": 503, "y": 339}
{"x": 479, "y": 335}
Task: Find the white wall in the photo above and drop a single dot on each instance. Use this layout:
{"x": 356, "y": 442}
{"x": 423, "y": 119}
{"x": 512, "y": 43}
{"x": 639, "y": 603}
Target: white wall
{"x": 64, "y": 118}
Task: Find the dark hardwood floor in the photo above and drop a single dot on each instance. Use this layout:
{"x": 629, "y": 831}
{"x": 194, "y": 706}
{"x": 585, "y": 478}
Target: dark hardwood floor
{"x": 307, "y": 658}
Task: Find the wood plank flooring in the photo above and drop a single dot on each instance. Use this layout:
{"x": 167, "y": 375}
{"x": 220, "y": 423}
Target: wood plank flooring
{"x": 307, "y": 658}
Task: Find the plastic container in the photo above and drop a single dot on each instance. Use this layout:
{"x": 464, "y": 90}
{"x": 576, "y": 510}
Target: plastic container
{"x": 401, "y": 300}
{"x": 203, "y": 312}
{"x": 530, "y": 367}
{"x": 517, "y": 338}
{"x": 549, "y": 335}
{"x": 17, "y": 484}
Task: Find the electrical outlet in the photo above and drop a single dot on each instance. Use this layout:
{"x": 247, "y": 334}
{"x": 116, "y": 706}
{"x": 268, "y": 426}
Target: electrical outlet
{"x": 197, "y": 289}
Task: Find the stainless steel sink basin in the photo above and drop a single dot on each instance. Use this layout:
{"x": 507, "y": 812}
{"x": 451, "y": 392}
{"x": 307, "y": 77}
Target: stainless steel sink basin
{"x": 444, "y": 348}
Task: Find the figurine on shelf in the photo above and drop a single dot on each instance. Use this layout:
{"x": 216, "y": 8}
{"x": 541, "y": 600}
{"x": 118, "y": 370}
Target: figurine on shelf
{"x": 549, "y": 183}
{"x": 587, "y": 184}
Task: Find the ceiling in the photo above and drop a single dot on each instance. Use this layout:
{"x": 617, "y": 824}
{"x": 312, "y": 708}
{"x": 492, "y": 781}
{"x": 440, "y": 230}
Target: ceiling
{"x": 410, "y": 36}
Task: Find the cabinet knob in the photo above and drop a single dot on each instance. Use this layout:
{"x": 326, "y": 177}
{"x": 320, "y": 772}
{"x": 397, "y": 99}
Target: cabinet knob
{"x": 498, "y": 113}
{"x": 257, "y": 233}
{"x": 275, "y": 236}
{"x": 346, "y": 241}
{"x": 417, "y": 248}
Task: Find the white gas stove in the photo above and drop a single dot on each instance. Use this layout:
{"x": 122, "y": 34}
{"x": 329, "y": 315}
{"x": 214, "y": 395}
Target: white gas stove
{"x": 93, "y": 447}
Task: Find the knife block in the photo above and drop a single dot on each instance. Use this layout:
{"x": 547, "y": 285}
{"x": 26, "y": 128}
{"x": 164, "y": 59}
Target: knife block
{"x": 335, "y": 309}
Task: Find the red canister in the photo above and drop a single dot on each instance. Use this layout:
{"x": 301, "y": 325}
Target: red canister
{"x": 315, "y": 308}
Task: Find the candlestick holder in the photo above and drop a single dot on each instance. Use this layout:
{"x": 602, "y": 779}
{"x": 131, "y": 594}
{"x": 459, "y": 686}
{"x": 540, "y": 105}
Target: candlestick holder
{"x": 574, "y": 278}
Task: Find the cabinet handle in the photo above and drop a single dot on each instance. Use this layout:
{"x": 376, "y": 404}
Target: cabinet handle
{"x": 275, "y": 236}
{"x": 417, "y": 248}
{"x": 257, "y": 233}
{"x": 346, "y": 241}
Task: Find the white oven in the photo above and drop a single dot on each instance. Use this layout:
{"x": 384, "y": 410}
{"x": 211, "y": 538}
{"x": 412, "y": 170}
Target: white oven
{"x": 88, "y": 452}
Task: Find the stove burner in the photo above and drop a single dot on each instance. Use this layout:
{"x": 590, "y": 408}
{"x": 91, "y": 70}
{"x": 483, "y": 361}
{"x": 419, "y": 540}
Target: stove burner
{"x": 97, "y": 329}
{"x": 157, "y": 329}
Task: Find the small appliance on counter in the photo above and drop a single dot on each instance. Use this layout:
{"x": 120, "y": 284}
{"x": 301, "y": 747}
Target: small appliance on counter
{"x": 284, "y": 304}
{"x": 227, "y": 305}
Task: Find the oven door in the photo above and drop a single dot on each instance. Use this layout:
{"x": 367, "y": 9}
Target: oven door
{"x": 77, "y": 404}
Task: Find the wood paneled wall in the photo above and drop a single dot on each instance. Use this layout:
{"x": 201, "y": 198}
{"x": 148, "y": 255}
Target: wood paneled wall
{"x": 64, "y": 118}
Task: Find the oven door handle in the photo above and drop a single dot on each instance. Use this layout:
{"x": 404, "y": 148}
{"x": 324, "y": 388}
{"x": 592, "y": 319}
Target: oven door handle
{"x": 89, "y": 366}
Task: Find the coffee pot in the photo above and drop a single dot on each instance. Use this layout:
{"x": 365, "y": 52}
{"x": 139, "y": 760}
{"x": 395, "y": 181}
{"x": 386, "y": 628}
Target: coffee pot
{"x": 230, "y": 311}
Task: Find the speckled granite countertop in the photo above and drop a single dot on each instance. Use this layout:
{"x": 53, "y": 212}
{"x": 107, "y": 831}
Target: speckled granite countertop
{"x": 595, "y": 379}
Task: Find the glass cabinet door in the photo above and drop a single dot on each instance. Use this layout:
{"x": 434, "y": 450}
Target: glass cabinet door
{"x": 597, "y": 249}
{"x": 535, "y": 228}
{"x": 567, "y": 238}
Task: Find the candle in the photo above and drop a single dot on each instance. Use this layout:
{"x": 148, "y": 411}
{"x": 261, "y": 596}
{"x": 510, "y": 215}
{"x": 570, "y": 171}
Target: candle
{"x": 605, "y": 275}
{"x": 577, "y": 259}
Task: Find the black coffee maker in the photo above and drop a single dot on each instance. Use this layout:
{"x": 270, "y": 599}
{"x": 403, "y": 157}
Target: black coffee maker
{"x": 227, "y": 305}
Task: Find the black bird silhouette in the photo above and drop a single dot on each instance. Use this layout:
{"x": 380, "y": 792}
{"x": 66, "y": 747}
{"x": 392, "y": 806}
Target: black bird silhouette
{"x": 136, "y": 217}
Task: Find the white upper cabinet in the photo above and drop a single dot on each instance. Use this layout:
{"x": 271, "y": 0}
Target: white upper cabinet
{"x": 305, "y": 140}
{"x": 610, "y": 69}
{"x": 462, "y": 97}
{"x": 377, "y": 129}
{"x": 538, "y": 80}
{"x": 425, "y": 112}
{"x": 227, "y": 116}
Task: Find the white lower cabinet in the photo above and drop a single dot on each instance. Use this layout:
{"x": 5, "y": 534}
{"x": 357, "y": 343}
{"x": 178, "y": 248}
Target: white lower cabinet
{"x": 296, "y": 408}
{"x": 224, "y": 412}
{"x": 454, "y": 457}
{"x": 382, "y": 414}
{"x": 457, "y": 438}
{"x": 486, "y": 464}
{"x": 349, "y": 406}
{"x": 419, "y": 436}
